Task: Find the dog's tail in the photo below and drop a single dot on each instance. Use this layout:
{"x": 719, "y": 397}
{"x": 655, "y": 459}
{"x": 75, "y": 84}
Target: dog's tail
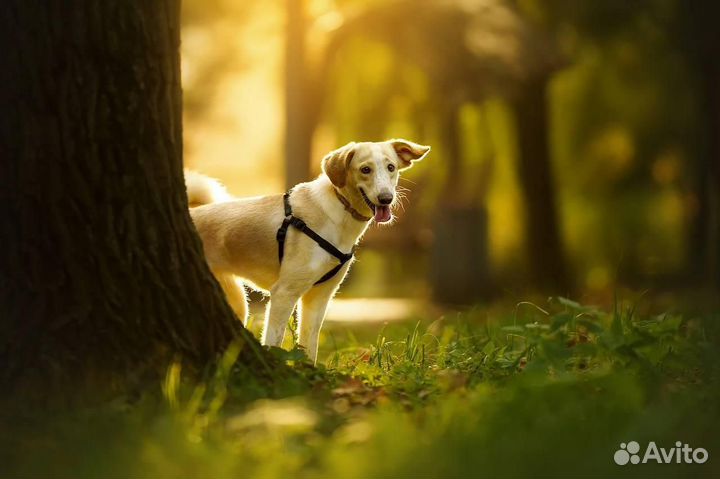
{"x": 203, "y": 190}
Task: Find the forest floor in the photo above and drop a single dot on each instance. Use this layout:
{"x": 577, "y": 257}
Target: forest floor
{"x": 528, "y": 390}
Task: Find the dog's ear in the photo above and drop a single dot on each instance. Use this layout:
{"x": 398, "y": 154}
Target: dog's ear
{"x": 335, "y": 164}
{"x": 409, "y": 152}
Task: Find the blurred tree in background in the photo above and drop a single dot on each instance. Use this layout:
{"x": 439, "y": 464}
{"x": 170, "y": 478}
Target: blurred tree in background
{"x": 646, "y": 65}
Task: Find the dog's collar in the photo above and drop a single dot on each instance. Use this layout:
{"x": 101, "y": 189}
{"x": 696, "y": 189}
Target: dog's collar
{"x": 353, "y": 212}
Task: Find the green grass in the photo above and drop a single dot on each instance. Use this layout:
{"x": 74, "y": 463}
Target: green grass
{"x": 549, "y": 389}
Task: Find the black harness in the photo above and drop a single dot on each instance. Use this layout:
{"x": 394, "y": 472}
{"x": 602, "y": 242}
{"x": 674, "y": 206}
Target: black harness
{"x": 322, "y": 242}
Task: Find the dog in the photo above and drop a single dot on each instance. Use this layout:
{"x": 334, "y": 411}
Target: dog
{"x": 243, "y": 238}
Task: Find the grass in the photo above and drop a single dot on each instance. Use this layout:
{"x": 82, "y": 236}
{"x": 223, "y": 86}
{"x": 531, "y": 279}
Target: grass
{"x": 534, "y": 390}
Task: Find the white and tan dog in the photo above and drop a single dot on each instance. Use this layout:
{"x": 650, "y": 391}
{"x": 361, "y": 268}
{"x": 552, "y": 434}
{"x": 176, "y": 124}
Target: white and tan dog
{"x": 357, "y": 186}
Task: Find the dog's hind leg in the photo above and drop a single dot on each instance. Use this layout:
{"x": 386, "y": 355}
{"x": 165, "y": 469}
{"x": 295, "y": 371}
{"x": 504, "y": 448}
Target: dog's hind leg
{"x": 235, "y": 293}
{"x": 313, "y": 307}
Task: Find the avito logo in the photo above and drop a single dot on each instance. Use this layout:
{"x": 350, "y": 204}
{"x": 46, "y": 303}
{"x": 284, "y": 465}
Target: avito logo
{"x": 680, "y": 454}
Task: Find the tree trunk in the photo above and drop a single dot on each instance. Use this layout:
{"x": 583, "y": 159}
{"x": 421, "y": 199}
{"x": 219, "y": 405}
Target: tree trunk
{"x": 450, "y": 130}
{"x": 459, "y": 272}
{"x": 298, "y": 129}
{"x": 700, "y": 39}
{"x": 102, "y": 270}
{"x": 543, "y": 245}
{"x": 704, "y": 231}
{"x": 712, "y": 217}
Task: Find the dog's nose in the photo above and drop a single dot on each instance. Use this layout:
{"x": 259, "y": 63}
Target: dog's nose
{"x": 385, "y": 198}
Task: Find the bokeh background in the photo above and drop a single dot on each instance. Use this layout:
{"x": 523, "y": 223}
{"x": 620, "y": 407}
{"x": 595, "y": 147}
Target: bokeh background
{"x": 575, "y": 143}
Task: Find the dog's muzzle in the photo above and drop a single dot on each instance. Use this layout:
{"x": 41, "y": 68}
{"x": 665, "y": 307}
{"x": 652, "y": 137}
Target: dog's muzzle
{"x": 381, "y": 213}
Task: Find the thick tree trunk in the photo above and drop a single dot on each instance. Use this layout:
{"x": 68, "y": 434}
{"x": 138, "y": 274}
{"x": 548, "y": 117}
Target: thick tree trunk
{"x": 102, "y": 270}
{"x": 544, "y": 248}
{"x": 298, "y": 124}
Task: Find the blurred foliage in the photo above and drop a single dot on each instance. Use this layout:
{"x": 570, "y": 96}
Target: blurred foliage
{"x": 210, "y": 33}
{"x": 628, "y": 115}
{"x": 541, "y": 389}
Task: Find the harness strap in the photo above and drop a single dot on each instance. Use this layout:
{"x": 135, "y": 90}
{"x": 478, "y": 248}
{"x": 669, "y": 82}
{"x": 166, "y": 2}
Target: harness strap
{"x": 322, "y": 242}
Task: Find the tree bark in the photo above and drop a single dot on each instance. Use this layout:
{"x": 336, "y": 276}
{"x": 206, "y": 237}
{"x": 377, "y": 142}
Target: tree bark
{"x": 543, "y": 245}
{"x": 102, "y": 270}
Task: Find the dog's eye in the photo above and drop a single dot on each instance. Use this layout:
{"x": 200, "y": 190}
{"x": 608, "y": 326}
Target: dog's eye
{"x": 365, "y": 170}
{"x": 391, "y": 167}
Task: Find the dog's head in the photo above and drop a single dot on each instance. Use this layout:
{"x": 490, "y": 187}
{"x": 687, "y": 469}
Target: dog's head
{"x": 367, "y": 173}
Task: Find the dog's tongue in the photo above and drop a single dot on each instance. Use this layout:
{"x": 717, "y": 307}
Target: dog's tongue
{"x": 382, "y": 214}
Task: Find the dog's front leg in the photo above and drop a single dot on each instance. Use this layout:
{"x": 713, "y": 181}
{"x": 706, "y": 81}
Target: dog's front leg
{"x": 282, "y": 303}
{"x": 314, "y": 305}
